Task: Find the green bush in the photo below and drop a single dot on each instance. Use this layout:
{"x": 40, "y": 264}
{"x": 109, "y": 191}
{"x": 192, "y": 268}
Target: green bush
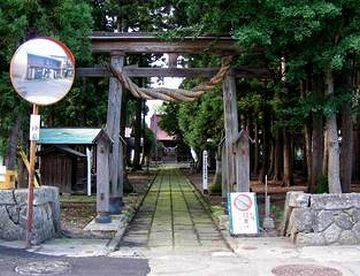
{"x": 215, "y": 188}
{"x": 322, "y": 185}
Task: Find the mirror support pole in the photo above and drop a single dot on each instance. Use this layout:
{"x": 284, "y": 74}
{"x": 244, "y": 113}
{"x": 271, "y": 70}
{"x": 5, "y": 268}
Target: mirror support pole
{"x": 30, "y": 196}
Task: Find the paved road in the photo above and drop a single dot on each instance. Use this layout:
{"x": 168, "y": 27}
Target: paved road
{"x": 173, "y": 235}
{"x": 10, "y": 259}
{"x": 172, "y": 218}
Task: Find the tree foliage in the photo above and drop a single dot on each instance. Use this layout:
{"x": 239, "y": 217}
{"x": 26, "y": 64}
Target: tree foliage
{"x": 316, "y": 41}
{"x": 69, "y": 21}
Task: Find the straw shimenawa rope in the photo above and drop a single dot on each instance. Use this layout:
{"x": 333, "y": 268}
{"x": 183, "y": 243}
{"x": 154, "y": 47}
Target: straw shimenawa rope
{"x": 172, "y": 95}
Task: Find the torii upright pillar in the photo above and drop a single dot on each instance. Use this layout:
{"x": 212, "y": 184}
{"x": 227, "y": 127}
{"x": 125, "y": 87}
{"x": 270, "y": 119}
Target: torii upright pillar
{"x": 236, "y": 147}
{"x": 242, "y": 157}
{"x": 116, "y": 160}
{"x": 231, "y": 131}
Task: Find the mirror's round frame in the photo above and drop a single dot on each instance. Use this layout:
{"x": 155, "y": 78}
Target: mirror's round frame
{"x": 42, "y": 70}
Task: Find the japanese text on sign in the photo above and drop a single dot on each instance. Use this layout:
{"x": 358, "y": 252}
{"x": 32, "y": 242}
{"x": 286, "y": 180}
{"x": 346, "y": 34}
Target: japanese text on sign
{"x": 243, "y": 213}
{"x": 34, "y": 127}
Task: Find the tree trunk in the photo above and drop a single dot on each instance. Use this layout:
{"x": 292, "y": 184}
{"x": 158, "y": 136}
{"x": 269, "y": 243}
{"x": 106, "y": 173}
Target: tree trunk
{"x": 278, "y": 164}
{"x": 288, "y": 179}
{"x": 317, "y": 152}
{"x": 137, "y": 146}
{"x": 325, "y": 161}
{"x": 307, "y": 153}
{"x": 217, "y": 177}
{"x": 143, "y": 126}
{"x": 304, "y": 88}
{"x": 124, "y": 120}
{"x": 11, "y": 150}
{"x": 356, "y": 155}
{"x": 332, "y": 141}
{"x": 256, "y": 150}
{"x": 22, "y": 175}
{"x": 272, "y": 159}
{"x": 266, "y": 143}
{"x": 346, "y": 148}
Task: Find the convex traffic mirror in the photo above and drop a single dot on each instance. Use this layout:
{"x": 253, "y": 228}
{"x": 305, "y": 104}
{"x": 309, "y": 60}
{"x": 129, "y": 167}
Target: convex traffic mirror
{"x": 42, "y": 70}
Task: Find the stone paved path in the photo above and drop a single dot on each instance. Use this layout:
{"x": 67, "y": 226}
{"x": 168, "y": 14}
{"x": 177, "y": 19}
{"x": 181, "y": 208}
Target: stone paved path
{"x": 173, "y": 218}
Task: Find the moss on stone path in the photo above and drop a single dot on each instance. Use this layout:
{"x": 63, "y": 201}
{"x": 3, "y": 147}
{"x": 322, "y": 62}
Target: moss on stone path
{"x": 173, "y": 218}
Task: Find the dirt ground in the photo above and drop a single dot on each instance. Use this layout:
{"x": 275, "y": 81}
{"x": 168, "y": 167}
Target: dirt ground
{"x": 276, "y": 192}
{"x": 78, "y": 210}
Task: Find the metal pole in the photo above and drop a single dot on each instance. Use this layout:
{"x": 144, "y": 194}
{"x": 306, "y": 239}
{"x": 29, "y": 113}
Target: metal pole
{"x": 267, "y": 199}
{"x": 30, "y": 197}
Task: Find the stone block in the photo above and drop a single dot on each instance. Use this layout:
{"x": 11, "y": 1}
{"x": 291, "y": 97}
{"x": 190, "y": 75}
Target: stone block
{"x": 43, "y": 226}
{"x": 286, "y": 216}
{"x": 21, "y": 196}
{"x": 355, "y": 199}
{"x": 347, "y": 237}
{"x": 13, "y": 213}
{"x": 46, "y": 215}
{"x": 7, "y": 197}
{"x": 22, "y": 214}
{"x": 332, "y": 233}
{"x": 323, "y": 220}
{"x": 344, "y": 221}
{"x": 356, "y": 230}
{"x": 355, "y": 214}
{"x": 332, "y": 201}
{"x": 310, "y": 239}
{"x": 298, "y": 199}
{"x": 45, "y": 194}
{"x": 302, "y": 220}
{"x": 9, "y": 230}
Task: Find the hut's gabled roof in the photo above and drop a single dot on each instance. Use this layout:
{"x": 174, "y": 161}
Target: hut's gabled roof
{"x": 68, "y": 136}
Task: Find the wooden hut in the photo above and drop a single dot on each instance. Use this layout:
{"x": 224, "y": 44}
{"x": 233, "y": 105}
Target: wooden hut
{"x": 67, "y": 158}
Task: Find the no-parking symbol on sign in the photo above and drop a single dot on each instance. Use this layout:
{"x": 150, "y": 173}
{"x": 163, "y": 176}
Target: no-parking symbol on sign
{"x": 243, "y": 213}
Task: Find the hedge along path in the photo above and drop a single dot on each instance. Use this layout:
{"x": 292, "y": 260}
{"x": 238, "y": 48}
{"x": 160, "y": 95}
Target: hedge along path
{"x": 173, "y": 95}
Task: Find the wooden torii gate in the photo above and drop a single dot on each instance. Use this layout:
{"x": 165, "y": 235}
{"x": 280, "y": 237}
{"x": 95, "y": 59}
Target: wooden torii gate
{"x": 117, "y": 45}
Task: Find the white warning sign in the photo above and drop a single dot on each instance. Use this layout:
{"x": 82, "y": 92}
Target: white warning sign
{"x": 243, "y": 213}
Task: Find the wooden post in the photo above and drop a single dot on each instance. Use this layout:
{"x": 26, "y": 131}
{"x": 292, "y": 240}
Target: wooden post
{"x": 241, "y": 145}
{"x": 116, "y": 163}
{"x": 173, "y": 60}
{"x": 231, "y": 128}
{"x": 30, "y": 195}
{"x": 223, "y": 173}
{"x": 103, "y": 148}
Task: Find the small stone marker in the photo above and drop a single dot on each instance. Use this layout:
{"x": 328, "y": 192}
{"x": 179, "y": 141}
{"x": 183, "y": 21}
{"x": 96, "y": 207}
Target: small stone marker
{"x": 205, "y": 172}
{"x": 268, "y": 223}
